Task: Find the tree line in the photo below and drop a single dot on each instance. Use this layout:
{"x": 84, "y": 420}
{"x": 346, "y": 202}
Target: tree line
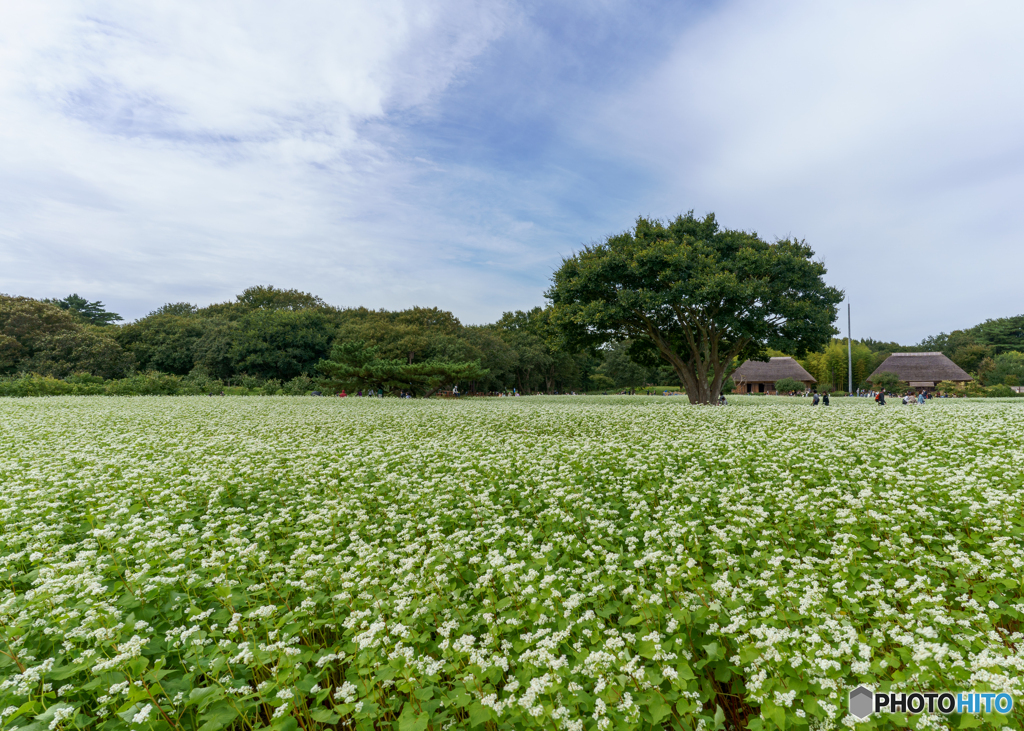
{"x": 274, "y": 339}
{"x": 664, "y": 303}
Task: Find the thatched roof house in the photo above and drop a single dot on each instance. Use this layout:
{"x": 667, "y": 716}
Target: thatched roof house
{"x": 922, "y": 370}
{"x": 756, "y": 376}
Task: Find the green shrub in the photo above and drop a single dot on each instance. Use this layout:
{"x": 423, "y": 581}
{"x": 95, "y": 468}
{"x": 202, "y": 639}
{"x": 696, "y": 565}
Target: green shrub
{"x": 33, "y": 384}
{"x": 601, "y": 382}
{"x": 271, "y": 387}
{"x": 146, "y": 384}
{"x": 247, "y": 381}
{"x": 299, "y": 386}
{"x": 889, "y": 381}
{"x": 1000, "y": 391}
{"x": 785, "y": 385}
{"x": 200, "y": 380}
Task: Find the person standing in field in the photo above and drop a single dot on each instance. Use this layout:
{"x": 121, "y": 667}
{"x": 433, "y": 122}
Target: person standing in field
{"x": 814, "y": 400}
{"x": 824, "y": 399}
{"x": 880, "y": 398}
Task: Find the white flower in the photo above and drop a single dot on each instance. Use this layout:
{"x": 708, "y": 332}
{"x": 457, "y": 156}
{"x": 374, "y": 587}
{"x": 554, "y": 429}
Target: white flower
{"x": 346, "y": 693}
{"x": 60, "y": 715}
{"x": 142, "y": 714}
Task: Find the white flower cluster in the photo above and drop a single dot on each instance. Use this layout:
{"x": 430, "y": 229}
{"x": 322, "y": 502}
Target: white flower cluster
{"x": 572, "y": 563}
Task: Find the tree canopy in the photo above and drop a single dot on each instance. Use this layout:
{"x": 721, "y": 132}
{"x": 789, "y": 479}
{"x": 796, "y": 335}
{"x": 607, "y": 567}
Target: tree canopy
{"x": 356, "y": 365}
{"x": 697, "y": 296}
{"x": 93, "y": 313}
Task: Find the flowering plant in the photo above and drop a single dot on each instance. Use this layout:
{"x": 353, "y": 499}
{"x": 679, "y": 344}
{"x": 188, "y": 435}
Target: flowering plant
{"x": 580, "y": 563}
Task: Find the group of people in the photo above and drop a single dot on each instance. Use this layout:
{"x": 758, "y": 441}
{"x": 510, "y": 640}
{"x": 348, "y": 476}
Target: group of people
{"x": 370, "y": 393}
{"x": 908, "y": 398}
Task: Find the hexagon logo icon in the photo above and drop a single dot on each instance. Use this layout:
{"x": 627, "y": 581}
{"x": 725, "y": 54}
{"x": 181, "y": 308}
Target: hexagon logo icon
{"x": 862, "y": 701}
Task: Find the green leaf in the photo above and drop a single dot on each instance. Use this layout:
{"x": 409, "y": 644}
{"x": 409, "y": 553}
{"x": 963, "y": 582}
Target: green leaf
{"x": 775, "y": 714}
{"x": 47, "y": 715}
{"x": 658, "y": 708}
{"x": 412, "y": 721}
{"x": 714, "y": 650}
{"x": 219, "y": 715}
{"x": 646, "y": 649}
{"x": 285, "y": 723}
{"x": 202, "y": 697}
{"x": 719, "y": 717}
{"x": 129, "y": 713}
{"x": 64, "y": 671}
{"x": 26, "y": 708}
{"x": 478, "y": 714}
{"x": 684, "y": 707}
{"x": 325, "y": 715}
{"x": 969, "y": 721}
{"x": 749, "y": 654}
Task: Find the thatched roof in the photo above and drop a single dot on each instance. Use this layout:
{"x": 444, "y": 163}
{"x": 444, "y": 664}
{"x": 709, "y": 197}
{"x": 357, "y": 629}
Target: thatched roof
{"x": 774, "y": 370}
{"x": 922, "y": 367}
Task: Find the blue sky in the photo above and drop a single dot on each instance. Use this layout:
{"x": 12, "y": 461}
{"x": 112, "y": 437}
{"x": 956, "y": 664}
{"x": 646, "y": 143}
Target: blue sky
{"x": 391, "y": 154}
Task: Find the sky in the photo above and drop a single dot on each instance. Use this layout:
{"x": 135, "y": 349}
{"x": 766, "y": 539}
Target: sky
{"x": 397, "y": 153}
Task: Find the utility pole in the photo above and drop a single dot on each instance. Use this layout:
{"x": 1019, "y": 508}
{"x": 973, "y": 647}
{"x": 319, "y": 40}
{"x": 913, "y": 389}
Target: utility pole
{"x": 849, "y": 346}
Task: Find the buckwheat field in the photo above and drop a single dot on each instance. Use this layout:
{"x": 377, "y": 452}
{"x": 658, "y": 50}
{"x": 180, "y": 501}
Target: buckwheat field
{"x": 545, "y": 562}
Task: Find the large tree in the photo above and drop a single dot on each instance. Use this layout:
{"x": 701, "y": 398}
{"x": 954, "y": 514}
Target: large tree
{"x": 697, "y": 296}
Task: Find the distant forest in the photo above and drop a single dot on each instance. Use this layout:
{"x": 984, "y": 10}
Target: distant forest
{"x": 273, "y": 340}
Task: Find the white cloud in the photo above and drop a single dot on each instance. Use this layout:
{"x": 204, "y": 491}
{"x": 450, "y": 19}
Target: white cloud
{"x": 171, "y": 150}
{"x": 178, "y": 150}
{"x": 887, "y": 134}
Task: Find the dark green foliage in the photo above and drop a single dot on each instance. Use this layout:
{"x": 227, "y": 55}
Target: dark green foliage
{"x": 138, "y": 384}
{"x": 877, "y": 346}
{"x": 92, "y": 313}
{"x": 1002, "y": 335}
{"x": 696, "y": 296}
{"x": 621, "y": 370}
{"x": 24, "y": 323}
{"x": 889, "y": 381}
{"x": 1008, "y": 368}
{"x": 163, "y": 342}
{"x": 270, "y": 298}
{"x": 1000, "y": 391}
{"x": 212, "y": 352}
{"x": 280, "y": 343}
{"x": 269, "y": 340}
{"x": 41, "y": 337}
{"x": 356, "y": 365}
{"x": 181, "y": 309}
{"x": 546, "y": 361}
{"x": 71, "y": 351}
{"x": 496, "y": 356}
{"x": 788, "y": 384}
{"x": 994, "y": 336}
{"x": 970, "y": 356}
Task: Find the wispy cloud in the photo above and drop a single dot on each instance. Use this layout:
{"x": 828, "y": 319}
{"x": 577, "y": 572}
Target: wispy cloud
{"x": 183, "y": 149}
{"x": 398, "y": 153}
{"x": 886, "y": 134}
